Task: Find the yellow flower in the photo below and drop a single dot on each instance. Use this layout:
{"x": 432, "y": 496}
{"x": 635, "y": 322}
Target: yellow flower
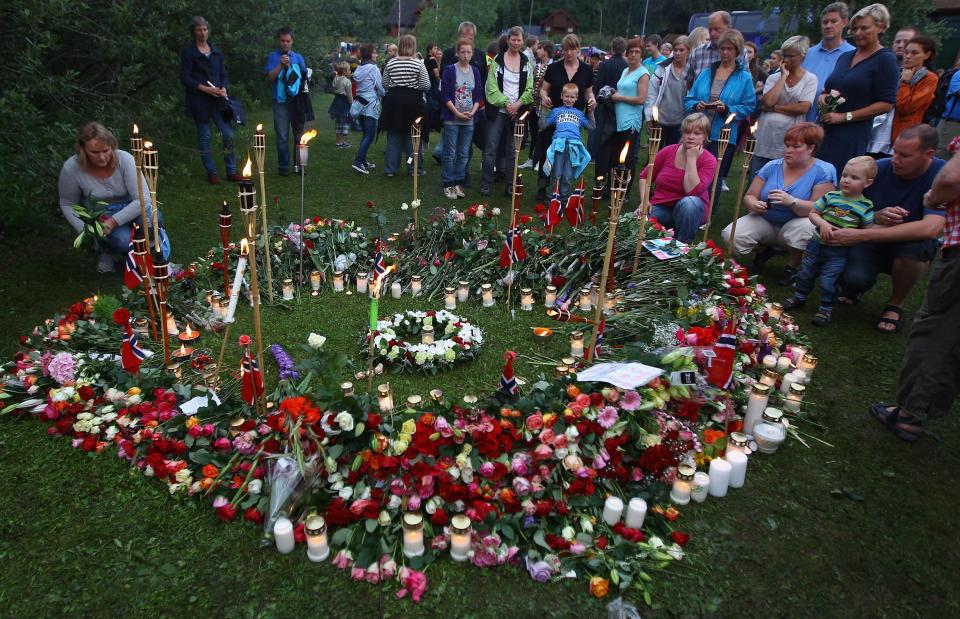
{"x": 192, "y": 422}
{"x": 409, "y": 427}
{"x": 599, "y": 587}
{"x": 133, "y": 391}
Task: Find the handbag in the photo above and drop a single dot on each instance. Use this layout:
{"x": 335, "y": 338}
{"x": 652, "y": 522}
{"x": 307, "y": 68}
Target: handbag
{"x": 232, "y": 111}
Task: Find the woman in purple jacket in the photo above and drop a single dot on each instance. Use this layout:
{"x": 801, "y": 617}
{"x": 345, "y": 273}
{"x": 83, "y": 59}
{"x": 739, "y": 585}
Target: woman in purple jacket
{"x": 461, "y": 92}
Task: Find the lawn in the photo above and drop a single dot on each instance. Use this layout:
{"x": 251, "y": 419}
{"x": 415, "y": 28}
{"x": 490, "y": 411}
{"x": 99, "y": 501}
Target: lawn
{"x": 861, "y": 527}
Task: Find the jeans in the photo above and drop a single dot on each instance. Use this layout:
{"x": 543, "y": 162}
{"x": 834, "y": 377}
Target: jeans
{"x": 457, "y": 140}
{"x": 398, "y": 144}
{"x": 369, "y": 126}
{"x": 118, "y": 241}
{"x": 827, "y": 262}
{"x": 499, "y": 129}
{"x": 281, "y": 125}
{"x": 204, "y": 136}
{"x": 684, "y": 217}
{"x": 562, "y": 173}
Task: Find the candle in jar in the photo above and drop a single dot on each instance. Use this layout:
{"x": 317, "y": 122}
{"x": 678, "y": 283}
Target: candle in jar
{"x": 412, "y": 535}
{"x": 426, "y": 334}
{"x": 769, "y": 378}
{"x": 738, "y": 467}
{"x": 794, "y": 397}
{"x": 784, "y": 363}
{"x": 636, "y": 512}
{"x": 770, "y": 362}
{"x": 450, "y": 298}
{"x": 775, "y": 310}
{"x": 384, "y": 398}
{"x": 612, "y": 510}
{"x": 759, "y": 396}
{"x": 770, "y": 431}
{"x": 595, "y": 299}
{"x": 808, "y": 364}
{"x": 459, "y": 537}
{"x": 680, "y": 492}
{"x": 396, "y": 290}
{"x": 550, "y": 296}
{"x": 416, "y": 285}
{"x": 363, "y": 280}
{"x": 315, "y": 529}
{"x": 609, "y": 302}
{"x": 797, "y": 353}
{"x": 788, "y": 379}
{"x": 315, "y": 281}
{"x": 719, "y": 477}
{"x": 347, "y": 389}
{"x": 172, "y": 328}
{"x": 463, "y": 291}
{"x": 287, "y": 287}
{"x": 700, "y": 487}
{"x": 414, "y": 402}
{"x": 283, "y": 536}
{"x": 576, "y": 344}
{"x": 486, "y": 293}
{"x": 526, "y": 299}
{"x": 585, "y": 300}
{"x": 338, "y": 281}
{"x": 738, "y": 441}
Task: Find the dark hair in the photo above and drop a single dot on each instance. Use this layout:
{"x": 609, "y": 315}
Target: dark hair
{"x": 366, "y": 51}
{"x": 928, "y": 45}
{"x": 284, "y": 30}
{"x": 550, "y": 48}
{"x": 502, "y": 44}
{"x": 430, "y": 47}
{"x": 925, "y": 133}
{"x": 655, "y": 39}
{"x": 618, "y": 45}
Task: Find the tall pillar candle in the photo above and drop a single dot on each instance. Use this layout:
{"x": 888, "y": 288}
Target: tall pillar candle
{"x": 612, "y": 510}
{"x": 283, "y": 536}
{"x": 636, "y": 513}
{"x": 719, "y": 477}
{"x": 759, "y": 396}
{"x": 738, "y": 468}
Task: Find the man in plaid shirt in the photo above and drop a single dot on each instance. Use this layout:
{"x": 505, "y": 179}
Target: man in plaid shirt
{"x": 930, "y": 373}
{"x": 709, "y": 53}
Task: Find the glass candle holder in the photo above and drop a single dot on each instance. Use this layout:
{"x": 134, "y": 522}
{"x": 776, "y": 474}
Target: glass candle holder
{"x": 363, "y": 282}
{"x": 561, "y": 371}
{"x": 797, "y": 353}
{"x": 576, "y": 344}
{"x": 436, "y": 395}
{"x": 396, "y": 290}
{"x": 550, "y": 296}
{"x": 570, "y": 362}
{"x": 174, "y": 369}
{"x": 526, "y": 299}
{"x": 486, "y": 294}
{"x": 412, "y": 535}
{"x": 315, "y": 282}
{"x": 172, "y": 328}
{"x": 315, "y": 528}
{"x": 794, "y": 397}
{"x": 416, "y": 285}
{"x": 769, "y": 362}
{"x": 460, "y": 530}
{"x": 585, "y": 304}
{"x": 770, "y": 431}
{"x": 463, "y": 291}
{"x": 385, "y": 398}
{"x": 609, "y": 302}
{"x": 808, "y": 364}
{"x": 347, "y": 389}
{"x": 788, "y": 379}
{"x": 682, "y": 484}
{"x": 338, "y": 281}
{"x": 426, "y": 334}
{"x": 636, "y": 513}
{"x": 612, "y": 510}
{"x": 209, "y": 298}
{"x": 470, "y": 401}
{"x": 449, "y": 298}
{"x": 287, "y": 288}
{"x": 595, "y": 298}
{"x": 775, "y": 311}
{"x": 738, "y": 442}
{"x": 769, "y": 378}
{"x": 757, "y": 402}
{"x": 700, "y": 487}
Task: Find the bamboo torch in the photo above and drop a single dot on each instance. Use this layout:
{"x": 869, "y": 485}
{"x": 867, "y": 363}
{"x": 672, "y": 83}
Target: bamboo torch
{"x": 151, "y": 171}
{"x": 519, "y": 126}
{"x": 721, "y": 150}
{"x": 597, "y": 196}
{"x": 226, "y": 222}
{"x": 416, "y": 130}
{"x": 748, "y": 149}
{"x": 260, "y": 150}
{"x": 653, "y": 139}
{"x": 304, "y": 156}
{"x": 248, "y": 210}
{"x": 161, "y": 273}
{"x": 136, "y": 145}
{"x": 141, "y": 251}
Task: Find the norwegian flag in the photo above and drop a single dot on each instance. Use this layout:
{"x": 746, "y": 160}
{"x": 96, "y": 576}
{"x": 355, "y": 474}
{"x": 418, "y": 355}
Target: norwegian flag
{"x": 599, "y": 343}
{"x": 252, "y": 379}
{"x": 574, "y": 208}
{"x": 131, "y": 273}
{"x": 131, "y": 355}
{"x": 512, "y": 250}
{"x": 379, "y": 264}
{"x": 508, "y": 382}
{"x": 556, "y": 211}
{"x": 720, "y": 368}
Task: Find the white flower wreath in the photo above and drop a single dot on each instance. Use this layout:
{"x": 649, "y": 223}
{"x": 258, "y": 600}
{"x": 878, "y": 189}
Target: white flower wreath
{"x": 398, "y": 341}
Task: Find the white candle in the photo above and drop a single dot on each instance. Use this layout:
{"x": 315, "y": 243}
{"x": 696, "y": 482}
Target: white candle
{"x": 526, "y": 299}
{"x": 315, "y": 529}
{"x": 759, "y": 396}
{"x": 338, "y": 281}
{"x": 426, "y": 334}
{"x": 585, "y": 300}
{"x": 770, "y": 432}
{"x": 235, "y": 291}
{"x": 576, "y": 344}
{"x": 774, "y": 310}
{"x": 362, "y": 280}
{"x": 738, "y": 467}
{"x": 636, "y": 512}
{"x": 283, "y": 536}
{"x": 808, "y": 364}
{"x": 680, "y": 493}
{"x": 449, "y": 298}
{"x": 463, "y": 292}
{"x": 396, "y": 290}
{"x": 794, "y": 397}
{"x": 550, "y": 296}
{"x": 412, "y": 535}
{"x": 612, "y": 510}
{"x": 459, "y": 537}
{"x": 788, "y": 379}
{"x": 384, "y": 398}
{"x": 609, "y": 302}
{"x": 784, "y": 363}
{"x": 287, "y": 287}
{"x": 486, "y": 292}
{"x": 719, "y": 477}
{"x": 701, "y": 485}
{"x": 770, "y": 362}
{"x": 769, "y": 378}
{"x": 416, "y": 285}
{"x": 315, "y": 280}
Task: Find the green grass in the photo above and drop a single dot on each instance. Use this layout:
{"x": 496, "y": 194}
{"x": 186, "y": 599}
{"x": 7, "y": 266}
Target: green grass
{"x": 85, "y": 535}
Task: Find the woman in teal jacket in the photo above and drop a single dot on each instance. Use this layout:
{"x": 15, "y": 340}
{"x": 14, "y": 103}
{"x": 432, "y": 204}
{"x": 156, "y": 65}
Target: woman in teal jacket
{"x": 724, "y": 89}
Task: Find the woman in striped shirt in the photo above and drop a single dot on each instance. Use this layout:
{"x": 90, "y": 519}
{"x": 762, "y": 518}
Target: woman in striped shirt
{"x": 406, "y": 81}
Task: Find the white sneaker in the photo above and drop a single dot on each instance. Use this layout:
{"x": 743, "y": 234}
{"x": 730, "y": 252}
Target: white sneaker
{"x": 460, "y": 192}
{"x": 450, "y": 192}
{"x": 724, "y": 186}
{"x": 106, "y": 263}
{"x": 526, "y": 164}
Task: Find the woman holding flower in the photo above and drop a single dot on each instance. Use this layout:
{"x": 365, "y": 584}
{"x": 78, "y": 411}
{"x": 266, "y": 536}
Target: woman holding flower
{"x": 865, "y": 82}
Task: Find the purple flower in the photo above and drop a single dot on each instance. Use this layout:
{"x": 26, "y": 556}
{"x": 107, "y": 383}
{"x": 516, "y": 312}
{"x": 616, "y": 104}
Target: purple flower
{"x": 607, "y": 417}
{"x": 529, "y": 521}
{"x": 539, "y": 570}
{"x": 62, "y": 367}
{"x": 487, "y": 469}
{"x": 284, "y": 363}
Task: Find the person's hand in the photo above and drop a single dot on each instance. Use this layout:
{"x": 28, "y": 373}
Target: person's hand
{"x": 719, "y": 106}
{"x": 890, "y": 216}
{"x": 108, "y": 224}
{"x": 591, "y": 103}
{"x": 758, "y": 207}
{"x": 512, "y": 108}
{"x": 285, "y": 60}
{"x": 779, "y": 196}
{"x": 842, "y": 237}
{"x": 701, "y": 105}
{"x": 693, "y": 153}
{"x": 826, "y": 232}
{"x": 462, "y": 115}
{"x": 784, "y": 73}
{"x": 907, "y": 74}
{"x": 546, "y": 102}
{"x": 833, "y": 118}
{"x": 822, "y": 99}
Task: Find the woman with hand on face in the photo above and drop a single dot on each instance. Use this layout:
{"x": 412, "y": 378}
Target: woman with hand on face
{"x": 682, "y": 174}
{"x": 918, "y": 84}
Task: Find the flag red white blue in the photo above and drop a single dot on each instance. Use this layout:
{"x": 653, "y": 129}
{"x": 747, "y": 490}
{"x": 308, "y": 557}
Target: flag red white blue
{"x": 252, "y": 379}
{"x": 508, "y": 382}
{"x": 555, "y": 212}
{"x": 574, "y": 208}
{"x": 512, "y": 250}
{"x": 379, "y": 264}
{"x": 599, "y": 343}
{"x": 131, "y": 355}
{"x": 720, "y": 370}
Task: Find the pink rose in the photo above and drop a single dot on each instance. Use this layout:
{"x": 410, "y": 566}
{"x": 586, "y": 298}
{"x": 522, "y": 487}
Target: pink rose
{"x": 413, "y": 503}
{"x": 373, "y": 574}
{"x": 487, "y": 469}
{"x": 358, "y": 573}
{"x": 521, "y": 485}
{"x": 343, "y": 560}
{"x": 388, "y": 567}
{"x": 535, "y": 422}
{"x": 560, "y": 441}
{"x": 577, "y": 548}
{"x": 547, "y": 436}
{"x": 583, "y": 400}
{"x": 542, "y": 452}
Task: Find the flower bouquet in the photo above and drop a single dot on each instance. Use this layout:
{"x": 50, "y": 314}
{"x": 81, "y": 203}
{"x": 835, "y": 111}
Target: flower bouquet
{"x": 832, "y": 102}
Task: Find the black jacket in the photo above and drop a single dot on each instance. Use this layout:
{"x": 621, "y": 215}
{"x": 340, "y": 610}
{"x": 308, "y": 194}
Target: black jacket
{"x": 196, "y": 69}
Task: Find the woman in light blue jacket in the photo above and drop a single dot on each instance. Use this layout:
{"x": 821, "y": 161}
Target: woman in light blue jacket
{"x": 724, "y": 89}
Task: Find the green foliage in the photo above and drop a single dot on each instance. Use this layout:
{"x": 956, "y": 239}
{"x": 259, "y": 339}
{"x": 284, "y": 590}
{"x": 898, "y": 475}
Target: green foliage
{"x": 105, "y": 306}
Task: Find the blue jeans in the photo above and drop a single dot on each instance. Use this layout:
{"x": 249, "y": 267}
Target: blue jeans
{"x": 457, "y": 140}
{"x": 204, "y": 136}
{"x": 562, "y": 171}
{"x": 118, "y": 241}
{"x": 827, "y": 262}
{"x": 369, "y": 126}
{"x": 281, "y": 125}
{"x": 684, "y": 217}
{"x": 398, "y": 145}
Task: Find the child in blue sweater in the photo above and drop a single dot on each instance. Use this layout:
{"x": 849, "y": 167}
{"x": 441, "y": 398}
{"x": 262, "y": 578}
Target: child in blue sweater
{"x": 567, "y": 155}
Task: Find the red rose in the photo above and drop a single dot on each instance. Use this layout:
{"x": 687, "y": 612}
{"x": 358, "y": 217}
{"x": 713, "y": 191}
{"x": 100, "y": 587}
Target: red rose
{"x": 121, "y": 316}
{"x": 373, "y": 421}
{"x": 245, "y": 340}
{"x": 369, "y": 203}
{"x": 253, "y": 515}
{"x": 439, "y": 518}
{"x": 540, "y": 208}
{"x": 86, "y": 392}
{"x": 602, "y": 542}
{"x": 317, "y": 219}
{"x": 227, "y": 512}
{"x": 680, "y": 538}
{"x": 596, "y": 400}
{"x": 299, "y": 535}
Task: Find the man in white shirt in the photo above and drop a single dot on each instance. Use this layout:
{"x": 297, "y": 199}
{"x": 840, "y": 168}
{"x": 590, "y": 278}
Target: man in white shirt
{"x": 822, "y": 57}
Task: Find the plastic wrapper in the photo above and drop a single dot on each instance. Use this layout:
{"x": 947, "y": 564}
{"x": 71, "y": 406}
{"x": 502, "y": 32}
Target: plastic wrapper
{"x": 618, "y": 609}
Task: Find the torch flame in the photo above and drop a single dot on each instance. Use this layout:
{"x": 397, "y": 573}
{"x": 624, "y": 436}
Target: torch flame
{"x": 730, "y": 119}
{"x": 523, "y": 116}
{"x": 244, "y": 248}
{"x": 417, "y": 121}
{"x": 655, "y": 113}
{"x": 189, "y": 331}
{"x": 753, "y": 129}
{"x": 147, "y": 145}
{"x": 599, "y": 180}
{"x": 136, "y": 129}
{"x": 378, "y": 281}
{"x": 259, "y": 128}
{"x": 247, "y": 168}
{"x": 306, "y": 137}
{"x": 623, "y": 153}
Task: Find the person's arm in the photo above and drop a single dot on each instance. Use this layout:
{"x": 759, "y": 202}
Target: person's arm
{"x": 824, "y": 226}
{"x": 691, "y": 173}
{"x": 927, "y": 228}
{"x": 273, "y": 67}
{"x": 588, "y": 121}
{"x": 801, "y": 208}
{"x": 885, "y": 84}
{"x": 545, "y": 99}
{"x": 752, "y": 201}
{"x": 526, "y": 97}
{"x": 493, "y": 94}
{"x": 914, "y": 100}
{"x": 70, "y": 194}
{"x": 746, "y": 103}
{"x": 946, "y": 185}
{"x": 653, "y": 91}
{"x": 423, "y": 79}
{"x": 706, "y": 167}
{"x": 696, "y": 99}
{"x": 377, "y": 81}
{"x": 224, "y": 80}
{"x": 643, "y": 84}
{"x": 772, "y": 94}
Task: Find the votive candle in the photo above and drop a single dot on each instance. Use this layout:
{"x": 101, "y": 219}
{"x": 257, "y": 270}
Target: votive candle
{"x": 680, "y": 493}
{"x": 612, "y": 510}
{"x": 460, "y": 537}
{"x": 338, "y": 281}
{"x": 449, "y": 298}
{"x": 576, "y": 344}
{"x": 585, "y": 300}
{"x": 363, "y": 280}
{"x": 636, "y": 512}
{"x": 396, "y": 290}
{"x": 486, "y": 293}
{"x": 412, "y": 535}
{"x": 738, "y": 467}
{"x": 283, "y": 536}
{"x": 426, "y": 334}
{"x": 759, "y": 396}
{"x": 287, "y": 287}
{"x": 315, "y": 529}
{"x": 315, "y": 281}
{"x": 463, "y": 291}
{"x": 550, "y": 296}
{"x": 700, "y": 487}
{"x": 526, "y": 299}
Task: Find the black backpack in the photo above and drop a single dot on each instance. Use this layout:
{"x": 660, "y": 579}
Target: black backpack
{"x": 943, "y": 99}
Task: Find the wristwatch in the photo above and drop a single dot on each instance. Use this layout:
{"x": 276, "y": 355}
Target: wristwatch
{"x": 849, "y": 116}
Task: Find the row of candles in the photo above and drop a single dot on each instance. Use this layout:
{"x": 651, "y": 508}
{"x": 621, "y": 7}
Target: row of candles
{"x": 318, "y": 547}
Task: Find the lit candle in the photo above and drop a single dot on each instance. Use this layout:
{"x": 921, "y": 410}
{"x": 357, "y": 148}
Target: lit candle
{"x": 612, "y": 510}
{"x": 287, "y": 287}
{"x": 788, "y": 379}
{"x": 550, "y": 296}
{"x": 486, "y": 293}
{"x": 426, "y": 334}
{"x": 412, "y": 535}
{"x": 283, "y": 536}
{"x": 183, "y": 353}
{"x": 609, "y": 302}
{"x": 561, "y": 371}
{"x": 396, "y": 290}
{"x": 315, "y": 529}
{"x": 738, "y": 467}
{"x": 384, "y": 398}
{"x": 774, "y": 311}
{"x": 172, "y": 328}
{"x": 769, "y": 378}
{"x": 719, "y": 477}
{"x": 700, "y": 487}
{"x": 362, "y": 279}
{"x": 797, "y": 353}
{"x": 576, "y": 344}
{"x": 526, "y": 299}
{"x": 347, "y": 389}
{"x": 338, "y": 281}
{"x": 570, "y": 362}
{"x": 416, "y": 285}
{"x": 738, "y": 442}
{"x": 237, "y": 280}
{"x": 794, "y": 397}
{"x": 595, "y": 295}
{"x": 436, "y": 395}
{"x": 808, "y": 364}
{"x": 414, "y": 402}
{"x": 769, "y": 362}
{"x": 759, "y": 396}
{"x": 585, "y": 300}
{"x": 680, "y": 493}
{"x": 315, "y": 282}
{"x": 636, "y": 512}
{"x": 542, "y": 334}
{"x": 449, "y": 298}
{"x": 189, "y": 335}
{"x": 463, "y": 291}
{"x": 305, "y": 146}
{"x": 459, "y": 537}
{"x": 770, "y": 432}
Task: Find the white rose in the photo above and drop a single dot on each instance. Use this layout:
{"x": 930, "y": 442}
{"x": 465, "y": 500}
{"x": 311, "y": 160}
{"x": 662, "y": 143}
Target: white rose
{"x": 394, "y": 502}
{"x": 316, "y": 341}
{"x": 183, "y": 476}
{"x": 346, "y": 493}
{"x": 586, "y": 526}
{"x": 255, "y": 487}
{"x": 345, "y": 421}
{"x": 175, "y": 488}
{"x": 568, "y": 533}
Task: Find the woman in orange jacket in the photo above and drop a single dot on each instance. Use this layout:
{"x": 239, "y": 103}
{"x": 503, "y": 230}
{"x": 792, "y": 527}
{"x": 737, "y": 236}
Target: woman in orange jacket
{"x": 918, "y": 84}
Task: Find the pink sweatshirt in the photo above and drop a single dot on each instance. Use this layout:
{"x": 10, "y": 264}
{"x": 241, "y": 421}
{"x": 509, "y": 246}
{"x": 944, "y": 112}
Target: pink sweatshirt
{"x": 668, "y": 178}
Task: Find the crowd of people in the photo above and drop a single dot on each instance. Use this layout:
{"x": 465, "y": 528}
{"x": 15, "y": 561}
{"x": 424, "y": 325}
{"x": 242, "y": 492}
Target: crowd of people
{"x": 848, "y": 177}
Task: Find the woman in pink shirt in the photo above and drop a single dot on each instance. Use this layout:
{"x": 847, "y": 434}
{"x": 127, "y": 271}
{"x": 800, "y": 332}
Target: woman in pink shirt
{"x": 681, "y": 174}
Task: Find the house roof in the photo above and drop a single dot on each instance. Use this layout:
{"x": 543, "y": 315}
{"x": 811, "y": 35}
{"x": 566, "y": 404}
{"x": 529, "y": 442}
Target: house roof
{"x": 559, "y": 18}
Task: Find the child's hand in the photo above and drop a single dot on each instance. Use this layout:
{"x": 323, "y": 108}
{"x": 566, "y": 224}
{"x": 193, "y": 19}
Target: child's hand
{"x": 826, "y": 232}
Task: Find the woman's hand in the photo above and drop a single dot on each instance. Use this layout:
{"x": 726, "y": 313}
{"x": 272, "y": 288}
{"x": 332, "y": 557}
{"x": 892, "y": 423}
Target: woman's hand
{"x": 779, "y": 196}
{"x": 591, "y": 103}
{"x": 719, "y": 107}
{"x": 757, "y": 207}
{"x": 109, "y": 224}
{"x": 907, "y": 74}
{"x": 833, "y": 118}
{"x": 701, "y": 105}
{"x": 693, "y": 153}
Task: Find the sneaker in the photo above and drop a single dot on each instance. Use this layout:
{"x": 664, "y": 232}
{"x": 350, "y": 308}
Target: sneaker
{"x": 233, "y": 177}
{"x": 526, "y": 165}
{"x": 106, "y": 264}
{"x": 389, "y": 174}
{"x": 213, "y": 179}
{"x": 460, "y": 192}
{"x": 484, "y": 190}
{"x": 297, "y": 169}
{"x": 359, "y": 167}
{"x": 724, "y": 186}
{"x": 344, "y": 145}
{"x": 451, "y": 193}
{"x": 369, "y": 165}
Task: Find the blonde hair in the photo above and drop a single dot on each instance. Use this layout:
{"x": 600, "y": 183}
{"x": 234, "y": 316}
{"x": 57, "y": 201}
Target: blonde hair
{"x": 697, "y": 37}
{"x": 732, "y": 37}
{"x": 570, "y": 87}
{"x": 571, "y": 41}
{"x": 95, "y": 131}
{"x": 698, "y": 121}
{"x": 798, "y": 42}
{"x": 877, "y": 12}
{"x": 869, "y": 165}
{"x": 407, "y": 46}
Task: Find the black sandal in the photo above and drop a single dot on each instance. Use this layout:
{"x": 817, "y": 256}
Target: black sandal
{"x": 896, "y": 322}
{"x": 793, "y": 303}
{"x": 904, "y": 426}
{"x": 821, "y": 319}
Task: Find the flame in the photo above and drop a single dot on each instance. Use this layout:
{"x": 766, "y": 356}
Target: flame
{"x": 247, "y": 168}
{"x": 378, "y": 281}
{"x": 189, "y": 331}
{"x": 147, "y": 145}
{"x": 542, "y": 331}
{"x": 183, "y": 350}
{"x": 753, "y": 129}
{"x": 623, "y": 153}
{"x": 306, "y": 137}
{"x": 259, "y": 128}
{"x": 599, "y": 180}
{"x": 244, "y": 248}
{"x": 136, "y": 129}
{"x": 655, "y": 113}
{"x": 523, "y": 116}
{"x": 730, "y": 119}
{"x": 417, "y": 121}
